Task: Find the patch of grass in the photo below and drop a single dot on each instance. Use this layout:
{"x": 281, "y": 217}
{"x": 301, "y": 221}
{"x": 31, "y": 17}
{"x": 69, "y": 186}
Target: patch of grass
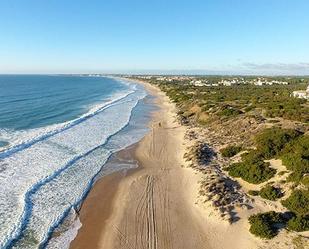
{"x": 230, "y": 150}
{"x": 270, "y": 193}
{"x": 229, "y": 111}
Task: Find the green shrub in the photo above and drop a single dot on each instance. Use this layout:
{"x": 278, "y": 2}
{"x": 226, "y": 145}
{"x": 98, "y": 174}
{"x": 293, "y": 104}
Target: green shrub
{"x": 264, "y": 225}
{"x": 296, "y": 162}
{"x": 271, "y": 141}
{"x": 299, "y": 223}
{"x": 253, "y": 156}
{"x": 295, "y": 177}
{"x": 270, "y": 193}
{"x": 262, "y": 229}
{"x": 257, "y": 172}
{"x": 229, "y": 111}
{"x": 298, "y": 202}
{"x": 230, "y": 150}
{"x": 253, "y": 192}
{"x": 295, "y": 157}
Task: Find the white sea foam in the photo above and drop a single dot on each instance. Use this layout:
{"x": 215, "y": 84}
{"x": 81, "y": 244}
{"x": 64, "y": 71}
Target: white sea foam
{"x": 62, "y": 241}
{"x": 24, "y": 137}
{"x": 40, "y": 182}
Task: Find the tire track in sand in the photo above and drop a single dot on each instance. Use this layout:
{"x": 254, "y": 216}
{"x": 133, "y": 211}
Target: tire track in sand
{"x": 146, "y": 218}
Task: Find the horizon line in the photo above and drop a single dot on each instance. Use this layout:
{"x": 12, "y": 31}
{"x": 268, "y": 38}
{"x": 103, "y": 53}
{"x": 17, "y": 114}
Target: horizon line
{"x": 167, "y": 73}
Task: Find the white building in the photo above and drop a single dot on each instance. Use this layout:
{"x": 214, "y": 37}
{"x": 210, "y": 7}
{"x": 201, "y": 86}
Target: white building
{"x": 301, "y": 94}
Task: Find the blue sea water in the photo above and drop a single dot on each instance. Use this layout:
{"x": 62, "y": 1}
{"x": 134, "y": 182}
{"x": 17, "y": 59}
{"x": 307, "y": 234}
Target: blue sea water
{"x": 57, "y": 133}
{"x": 31, "y": 101}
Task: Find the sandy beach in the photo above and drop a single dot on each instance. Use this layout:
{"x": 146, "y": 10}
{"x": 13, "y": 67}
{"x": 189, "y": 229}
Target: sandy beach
{"x": 154, "y": 124}
{"x": 154, "y": 206}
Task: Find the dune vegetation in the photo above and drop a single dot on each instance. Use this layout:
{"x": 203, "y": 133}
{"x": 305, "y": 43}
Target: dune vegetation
{"x": 264, "y": 123}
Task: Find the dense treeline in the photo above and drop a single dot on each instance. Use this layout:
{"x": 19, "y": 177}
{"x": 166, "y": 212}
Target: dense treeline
{"x": 275, "y": 100}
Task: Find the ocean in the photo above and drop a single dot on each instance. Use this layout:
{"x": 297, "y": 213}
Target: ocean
{"x": 56, "y": 135}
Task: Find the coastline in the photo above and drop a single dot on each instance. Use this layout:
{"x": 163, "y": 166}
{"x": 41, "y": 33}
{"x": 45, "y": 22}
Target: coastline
{"x": 160, "y": 159}
{"x": 96, "y": 211}
{"x": 155, "y": 205}
{"x": 97, "y": 208}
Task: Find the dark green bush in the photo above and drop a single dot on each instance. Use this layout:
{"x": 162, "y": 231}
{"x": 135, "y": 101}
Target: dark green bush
{"x": 298, "y": 202}
{"x": 270, "y": 193}
{"x": 299, "y": 223}
{"x": 271, "y": 141}
{"x": 262, "y": 229}
{"x": 296, "y": 162}
{"x": 230, "y": 150}
{"x": 252, "y": 156}
{"x": 257, "y": 172}
{"x": 264, "y": 225}
{"x": 295, "y": 157}
{"x": 253, "y": 192}
{"x": 295, "y": 177}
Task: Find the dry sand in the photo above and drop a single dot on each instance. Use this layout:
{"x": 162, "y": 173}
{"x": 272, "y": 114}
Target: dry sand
{"x": 153, "y": 207}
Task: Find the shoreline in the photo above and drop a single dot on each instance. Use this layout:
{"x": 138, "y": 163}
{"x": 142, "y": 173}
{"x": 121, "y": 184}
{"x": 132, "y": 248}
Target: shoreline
{"x": 102, "y": 197}
{"x": 97, "y": 207}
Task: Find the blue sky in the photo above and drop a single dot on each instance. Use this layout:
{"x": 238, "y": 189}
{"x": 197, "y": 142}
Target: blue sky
{"x": 227, "y": 36}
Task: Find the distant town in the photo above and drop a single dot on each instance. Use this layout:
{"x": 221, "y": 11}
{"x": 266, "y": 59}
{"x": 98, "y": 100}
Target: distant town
{"x": 225, "y": 81}
{"x": 215, "y": 81}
